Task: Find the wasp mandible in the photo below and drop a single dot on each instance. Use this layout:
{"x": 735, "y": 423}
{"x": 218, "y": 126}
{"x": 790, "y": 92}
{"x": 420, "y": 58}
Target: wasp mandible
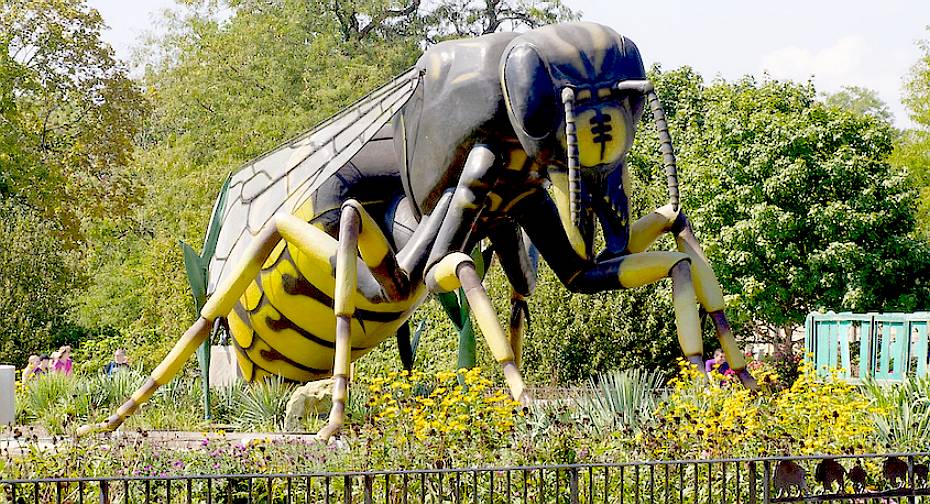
{"x": 329, "y": 242}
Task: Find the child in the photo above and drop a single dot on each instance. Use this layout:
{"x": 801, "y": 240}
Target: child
{"x": 31, "y": 367}
{"x": 41, "y": 368}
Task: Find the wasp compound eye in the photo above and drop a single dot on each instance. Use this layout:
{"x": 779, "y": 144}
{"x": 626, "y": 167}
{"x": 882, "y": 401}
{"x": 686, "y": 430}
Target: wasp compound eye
{"x": 531, "y": 96}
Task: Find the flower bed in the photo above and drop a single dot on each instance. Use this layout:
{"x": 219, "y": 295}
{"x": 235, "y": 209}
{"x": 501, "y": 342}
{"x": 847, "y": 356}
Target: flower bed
{"x": 462, "y": 419}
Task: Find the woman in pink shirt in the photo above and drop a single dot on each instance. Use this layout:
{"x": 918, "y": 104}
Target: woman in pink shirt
{"x": 64, "y": 364}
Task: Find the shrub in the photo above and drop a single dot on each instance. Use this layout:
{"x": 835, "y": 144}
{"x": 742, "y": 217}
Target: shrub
{"x": 722, "y": 419}
{"x": 440, "y": 420}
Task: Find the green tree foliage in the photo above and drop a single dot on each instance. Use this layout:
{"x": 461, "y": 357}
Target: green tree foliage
{"x": 36, "y": 278}
{"x": 912, "y": 151}
{"x": 861, "y": 101}
{"x": 69, "y": 113}
{"x": 796, "y": 202}
{"x": 68, "y": 116}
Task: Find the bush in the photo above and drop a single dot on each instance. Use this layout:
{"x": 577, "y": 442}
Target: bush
{"x": 722, "y": 419}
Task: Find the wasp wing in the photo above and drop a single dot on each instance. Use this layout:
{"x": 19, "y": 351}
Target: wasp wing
{"x": 282, "y": 179}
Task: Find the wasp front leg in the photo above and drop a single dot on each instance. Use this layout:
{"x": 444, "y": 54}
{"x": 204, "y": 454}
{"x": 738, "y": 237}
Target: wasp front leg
{"x": 449, "y": 268}
{"x": 587, "y": 275}
{"x": 643, "y": 234}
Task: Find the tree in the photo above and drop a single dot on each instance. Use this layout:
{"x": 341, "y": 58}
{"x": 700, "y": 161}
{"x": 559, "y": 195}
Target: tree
{"x": 796, "y": 202}
{"x": 912, "y": 151}
{"x": 860, "y": 100}
{"x": 68, "y": 117}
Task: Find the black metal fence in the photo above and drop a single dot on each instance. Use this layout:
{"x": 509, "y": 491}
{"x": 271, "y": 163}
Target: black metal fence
{"x": 879, "y": 479}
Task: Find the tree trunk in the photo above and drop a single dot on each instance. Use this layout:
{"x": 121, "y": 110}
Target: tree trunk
{"x": 787, "y": 343}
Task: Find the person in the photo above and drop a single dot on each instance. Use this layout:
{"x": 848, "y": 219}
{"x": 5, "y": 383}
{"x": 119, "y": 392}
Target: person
{"x": 30, "y": 368}
{"x": 120, "y": 362}
{"x": 718, "y": 363}
{"x": 41, "y": 368}
{"x": 64, "y": 364}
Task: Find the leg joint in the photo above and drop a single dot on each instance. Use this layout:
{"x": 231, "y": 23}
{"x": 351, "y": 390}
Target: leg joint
{"x": 443, "y": 276}
{"x": 679, "y": 224}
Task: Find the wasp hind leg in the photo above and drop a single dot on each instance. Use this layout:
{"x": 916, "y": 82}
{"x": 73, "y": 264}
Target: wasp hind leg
{"x": 219, "y": 305}
{"x": 665, "y": 219}
{"x": 358, "y": 235}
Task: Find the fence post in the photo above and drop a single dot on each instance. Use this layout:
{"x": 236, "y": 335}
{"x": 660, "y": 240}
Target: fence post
{"x": 766, "y": 481}
{"x": 369, "y": 484}
{"x": 910, "y": 478}
{"x": 347, "y": 489}
{"x": 573, "y": 485}
{"x": 104, "y": 492}
{"x": 752, "y": 482}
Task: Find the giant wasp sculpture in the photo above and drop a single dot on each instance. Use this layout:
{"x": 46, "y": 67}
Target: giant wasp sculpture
{"x": 331, "y": 241}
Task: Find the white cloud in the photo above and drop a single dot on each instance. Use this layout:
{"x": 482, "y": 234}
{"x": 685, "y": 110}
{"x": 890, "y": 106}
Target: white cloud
{"x": 840, "y": 64}
{"x": 850, "y": 61}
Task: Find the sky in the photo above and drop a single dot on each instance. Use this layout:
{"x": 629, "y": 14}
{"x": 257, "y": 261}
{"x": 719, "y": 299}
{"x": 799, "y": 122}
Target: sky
{"x": 832, "y": 42}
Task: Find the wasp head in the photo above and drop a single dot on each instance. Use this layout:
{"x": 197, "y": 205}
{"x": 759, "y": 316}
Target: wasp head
{"x": 562, "y": 89}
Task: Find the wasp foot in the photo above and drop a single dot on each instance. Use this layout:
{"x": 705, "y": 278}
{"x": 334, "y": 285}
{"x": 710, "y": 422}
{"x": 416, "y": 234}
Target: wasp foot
{"x": 697, "y": 361}
{"x": 526, "y": 399}
{"x": 746, "y": 379}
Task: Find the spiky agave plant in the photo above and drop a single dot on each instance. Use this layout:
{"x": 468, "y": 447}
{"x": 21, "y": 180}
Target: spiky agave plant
{"x": 901, "y": 413}
{"x": 621, "y": 399}
{"x": 263, "y": 404}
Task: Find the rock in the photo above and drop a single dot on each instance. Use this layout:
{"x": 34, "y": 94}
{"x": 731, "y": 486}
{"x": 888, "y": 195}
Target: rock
{"x": 314, "y": 398}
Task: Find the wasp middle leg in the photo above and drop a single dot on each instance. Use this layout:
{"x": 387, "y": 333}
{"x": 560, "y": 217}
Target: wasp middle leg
{"x": 511, "y": 250}
{"x": 448, "y": 268}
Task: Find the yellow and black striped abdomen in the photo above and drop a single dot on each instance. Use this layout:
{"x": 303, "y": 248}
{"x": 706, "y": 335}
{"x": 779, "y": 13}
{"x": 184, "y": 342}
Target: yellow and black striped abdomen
{"x": 284, "y": 323}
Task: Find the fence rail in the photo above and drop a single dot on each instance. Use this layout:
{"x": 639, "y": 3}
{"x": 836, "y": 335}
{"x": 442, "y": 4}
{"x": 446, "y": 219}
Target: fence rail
{"x": 853, "y": 478}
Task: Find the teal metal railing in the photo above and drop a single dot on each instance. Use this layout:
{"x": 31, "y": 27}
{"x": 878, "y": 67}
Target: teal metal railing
{"x": 879, "y": 346}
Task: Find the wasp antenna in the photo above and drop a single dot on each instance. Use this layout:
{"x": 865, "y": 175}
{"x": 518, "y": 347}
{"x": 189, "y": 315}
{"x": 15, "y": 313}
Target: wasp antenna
{"x": 646, "y": 87}
{"x": 571, "y": 143}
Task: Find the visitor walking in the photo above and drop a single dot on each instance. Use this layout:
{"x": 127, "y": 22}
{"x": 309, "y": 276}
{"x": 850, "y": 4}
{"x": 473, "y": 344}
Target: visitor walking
{"x": 120, "y": 362}
{"x": 30, "y": 368}
{"x": 42, "y": 368}
{"x": 64, "y": 364}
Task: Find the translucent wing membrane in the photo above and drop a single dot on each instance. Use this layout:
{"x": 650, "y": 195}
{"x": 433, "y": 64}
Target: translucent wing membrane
{"x": 284, "y": 178}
